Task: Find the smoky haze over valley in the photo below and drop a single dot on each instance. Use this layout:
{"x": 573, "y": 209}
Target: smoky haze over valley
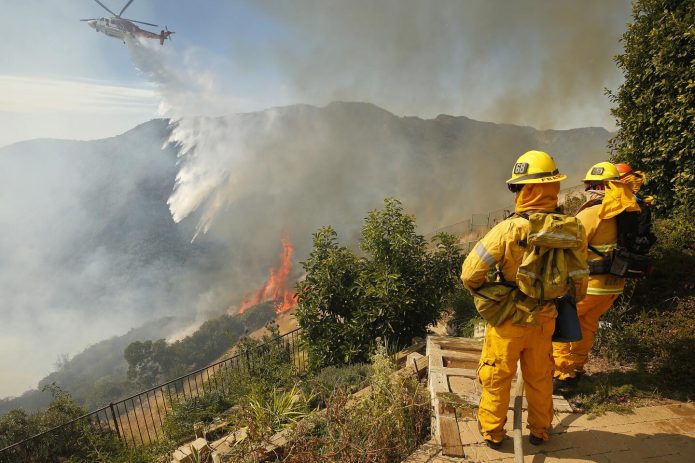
{"x": 90, "y": 248}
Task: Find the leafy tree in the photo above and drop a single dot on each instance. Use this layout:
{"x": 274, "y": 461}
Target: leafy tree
{"x": 18, "y": 425}
{"x": 655, "y": 108}
{"x": 147, "y": 361}
{"x": 79, "y": 442}
{"x": 464, "y": 316}
{"x": 152, "y": 362}
{"x": 394, "y": 292}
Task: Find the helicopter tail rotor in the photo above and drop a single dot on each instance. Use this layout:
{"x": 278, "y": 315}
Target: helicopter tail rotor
{"x": 164, "y": 34}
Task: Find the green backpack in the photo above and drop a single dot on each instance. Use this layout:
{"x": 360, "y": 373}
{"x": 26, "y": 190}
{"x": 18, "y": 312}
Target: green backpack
{"x": 553, "y": 258}
{"x": 498, "y": 302}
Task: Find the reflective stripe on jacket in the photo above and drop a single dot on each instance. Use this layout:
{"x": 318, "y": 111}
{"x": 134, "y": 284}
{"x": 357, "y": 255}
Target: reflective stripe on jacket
{"x": 602, "y": 235}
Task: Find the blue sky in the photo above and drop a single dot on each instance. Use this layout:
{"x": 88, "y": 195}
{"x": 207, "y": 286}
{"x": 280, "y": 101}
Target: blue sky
{"x": 58, "y": 78}
{"x": 528, "y": 62}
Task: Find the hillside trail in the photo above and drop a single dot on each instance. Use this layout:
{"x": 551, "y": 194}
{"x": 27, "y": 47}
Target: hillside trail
{"x": 655, "y": 434}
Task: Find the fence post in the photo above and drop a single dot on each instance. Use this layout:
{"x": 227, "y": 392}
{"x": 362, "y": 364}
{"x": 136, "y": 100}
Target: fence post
{"x": 115, "y": 421}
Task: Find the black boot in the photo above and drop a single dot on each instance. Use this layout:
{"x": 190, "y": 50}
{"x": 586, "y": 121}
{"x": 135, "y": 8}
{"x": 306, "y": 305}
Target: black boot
{"x": 492, "y": 444}
{"x": 533, "y": 440}
{"x": 565, "y": 385}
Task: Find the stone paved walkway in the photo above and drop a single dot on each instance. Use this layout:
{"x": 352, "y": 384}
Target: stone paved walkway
{"x": 656, "y": 434}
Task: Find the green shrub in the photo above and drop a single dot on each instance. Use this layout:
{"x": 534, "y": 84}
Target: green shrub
{"x": 18, "y": 425}
{"x": 179, "y": 423}
{"x": 675, "y": 233}
{"x": 654, "y": 104}
{"x": 269, "y": 413}
{"x": 267, "y": 363}
{"x": 77, "y": 443}
{"x": 653, "y": 323}
{"x": 464, "y": 315}
{"x": 673, "y": 259}
{"x": 661, "y": 343}
{"x": 393, "y": 293}
{"x": 385, "y": 426}
{"x": 265, "y": 367}
{"x": 596, "y": 397}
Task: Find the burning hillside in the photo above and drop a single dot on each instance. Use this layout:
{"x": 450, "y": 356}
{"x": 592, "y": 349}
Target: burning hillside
{"x": 278, "y": 288}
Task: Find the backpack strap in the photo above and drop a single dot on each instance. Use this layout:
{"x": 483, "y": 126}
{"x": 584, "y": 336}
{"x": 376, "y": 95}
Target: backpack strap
{"x": 524, "y": 215}
{"x": 597, "y": 252}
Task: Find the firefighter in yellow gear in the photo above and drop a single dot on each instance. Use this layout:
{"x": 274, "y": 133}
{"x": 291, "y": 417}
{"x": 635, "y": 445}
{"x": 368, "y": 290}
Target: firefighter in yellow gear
{"x": 634, "y": 179}
{"x": 536, "y": 182}
{"x": 608, "y": 197}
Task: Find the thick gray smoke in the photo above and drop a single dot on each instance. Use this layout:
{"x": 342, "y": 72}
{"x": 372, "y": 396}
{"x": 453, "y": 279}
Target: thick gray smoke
{"x": 248, "y": 178}
{"x": 90, "y": 250}
{"x": 533, "y": 62}
{"x": 536, "y": 63}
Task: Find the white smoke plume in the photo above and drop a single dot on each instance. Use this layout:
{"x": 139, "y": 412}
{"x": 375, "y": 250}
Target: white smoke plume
{"x": 533, "y": 63}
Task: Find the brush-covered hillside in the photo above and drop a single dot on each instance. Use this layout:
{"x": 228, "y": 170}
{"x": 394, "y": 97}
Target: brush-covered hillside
{"x": 91, "y": 250}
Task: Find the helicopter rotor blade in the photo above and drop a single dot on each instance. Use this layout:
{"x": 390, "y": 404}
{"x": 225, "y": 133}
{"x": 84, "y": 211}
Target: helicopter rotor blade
{"x": 90, "y": 19}
{"x": 104, "y": 7}
{"x": 141, "y": 22}
{"x": 125, "y": 7}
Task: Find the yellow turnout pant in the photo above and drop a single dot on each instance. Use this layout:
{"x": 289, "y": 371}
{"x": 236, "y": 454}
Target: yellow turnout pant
{"x": 504, "y": 346}
{"x": 570, "y": 357}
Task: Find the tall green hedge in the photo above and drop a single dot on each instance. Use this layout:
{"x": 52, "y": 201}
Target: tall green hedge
{"x": 393, "y": 292}
{"x": 655, "y": 106}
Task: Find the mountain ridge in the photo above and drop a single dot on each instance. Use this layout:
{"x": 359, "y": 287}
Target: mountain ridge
{"x": 88, "y": 232}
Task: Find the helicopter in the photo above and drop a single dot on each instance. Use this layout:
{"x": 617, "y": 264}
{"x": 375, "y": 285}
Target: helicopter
{"x": 122, "y": 28}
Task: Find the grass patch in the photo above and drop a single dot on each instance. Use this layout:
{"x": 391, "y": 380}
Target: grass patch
{"x": 653, "y": 324}
{"x": 614, "y": 391}
{"x": 332, "y": 380}
{"x": 661, "y": 345}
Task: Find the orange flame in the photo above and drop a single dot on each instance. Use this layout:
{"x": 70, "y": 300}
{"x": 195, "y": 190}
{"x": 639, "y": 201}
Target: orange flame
{"x": 277, "y": 287}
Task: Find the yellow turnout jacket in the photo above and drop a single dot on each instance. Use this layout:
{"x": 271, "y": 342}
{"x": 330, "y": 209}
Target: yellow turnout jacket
{"x": 601, "y": 234}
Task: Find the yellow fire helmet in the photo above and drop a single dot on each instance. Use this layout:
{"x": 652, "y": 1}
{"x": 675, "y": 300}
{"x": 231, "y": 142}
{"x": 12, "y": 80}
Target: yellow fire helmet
{"x": 535, "y": 167}
{"x": 602, "y": 172}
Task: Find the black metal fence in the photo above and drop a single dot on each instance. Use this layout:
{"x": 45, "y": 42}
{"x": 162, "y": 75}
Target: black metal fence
{"x": 139, "y": 419}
